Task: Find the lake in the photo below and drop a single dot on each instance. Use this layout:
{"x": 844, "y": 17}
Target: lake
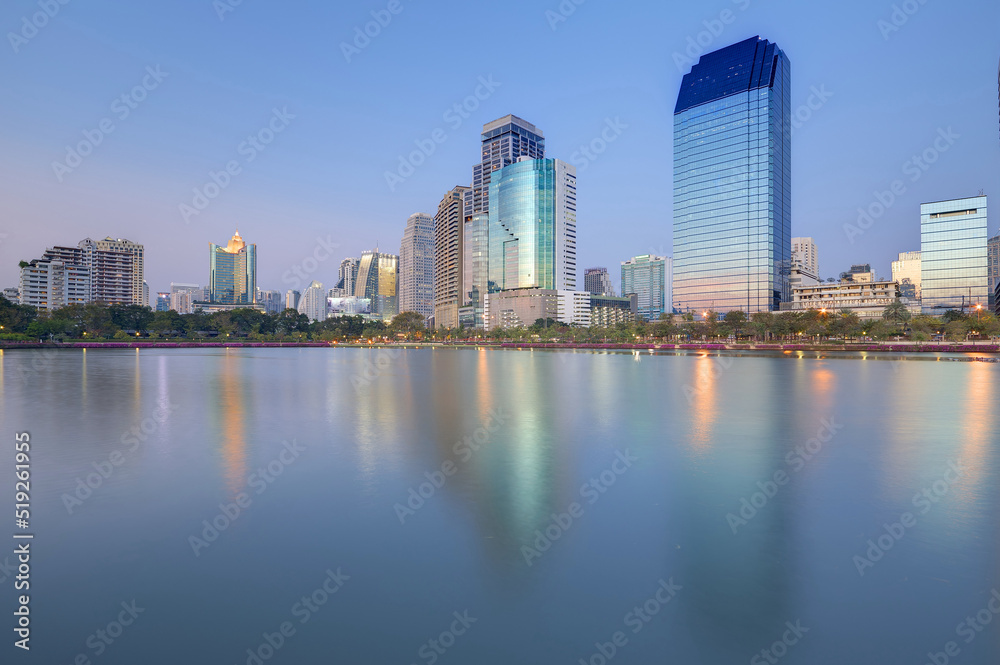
{"x": 482, "y": 507}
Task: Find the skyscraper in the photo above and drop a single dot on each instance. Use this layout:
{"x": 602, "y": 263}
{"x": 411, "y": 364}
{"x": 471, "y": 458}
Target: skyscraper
{"x": 416, "y": 266}
{"x": 449, "y": 247}
{"x": 503, "y": 141}
{"x": 805, "y": 255}
{"x": 292, "y": 299}
{"x": 378, "y": 279}
{"x": 532, "y": 226}
{"x": 906, "y": 273}
{"x": 233, "y": 279}
{"x": 348, "y": 275}
{"x": 313, "y": 302}
{"x": 954, "y": 270}
{"x": 596, "y": 281}
{"x": 732, "y": 180}
{"x": 184, "y": 296}
{"x": 648, "y": 278}
{"x": 136, "y": 275}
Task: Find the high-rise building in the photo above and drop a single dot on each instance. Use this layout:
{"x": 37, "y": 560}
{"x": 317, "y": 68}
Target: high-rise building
{"x": 115, "y": 267}
{"x": 993, "y": 261}
{"x": 51, "y": 284}
{"x": 234, "y": 272}
{"x": 378, "y": 281}
{"x": 532, "y": 226}
{"x": 348, "y": 275}
{"x": 503, "y": 141}
{"x": 449, "y": 247}
{"x": 906, "y": 273}
{"x": 183, "y": 297}
{"x": 648, "y": 277}
{"x": 163, "y": 301}
{"x": 292, "y": 299}
{"x": 732, "y": 180}
{"x": 475, "y": 269}
{"x": 416, "y": 266}
{"x": 271, "y": 300}
{"x": 954, "y": 271}
{"x": 805, "y": 255}
{"x": 596, "y": 281}
{"x": 313, "y": 302}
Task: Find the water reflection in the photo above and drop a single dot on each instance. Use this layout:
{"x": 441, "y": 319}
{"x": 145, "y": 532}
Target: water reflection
{"x": 231, "y": 412}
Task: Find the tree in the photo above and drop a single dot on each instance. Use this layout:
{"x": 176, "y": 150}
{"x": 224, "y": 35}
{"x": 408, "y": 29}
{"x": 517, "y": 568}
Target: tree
{"x": 131, "y": 317}
{"x": 896, "y": 312}
{"x": 736, "y": 319}
{"x": 407, "y": 322}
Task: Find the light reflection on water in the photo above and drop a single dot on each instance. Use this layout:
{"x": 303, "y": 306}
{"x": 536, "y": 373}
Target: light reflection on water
{"x": 705, "y": 429}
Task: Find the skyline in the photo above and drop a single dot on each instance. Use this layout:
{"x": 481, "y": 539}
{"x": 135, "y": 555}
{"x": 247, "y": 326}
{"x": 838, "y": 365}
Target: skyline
{"x": 324, "y": 176}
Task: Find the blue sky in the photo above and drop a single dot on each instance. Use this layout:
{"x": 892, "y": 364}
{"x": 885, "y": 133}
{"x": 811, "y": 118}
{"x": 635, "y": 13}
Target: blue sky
{"x": 890, "y": 89}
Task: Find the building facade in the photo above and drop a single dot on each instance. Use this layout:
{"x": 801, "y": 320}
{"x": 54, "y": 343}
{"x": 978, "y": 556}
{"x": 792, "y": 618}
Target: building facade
{"x": 732, "y": 180}
{"x": 347, "y": 275}
{"x": 805, "y": 255}
{"x": 906, "y": 272}
{"x": 609, "y": 310}
{"x": 597, "y": 281}
{"x": 504, "y": 141}
{"x": 115, "y": 268}
{"x": 416, "y": 266}
{"x": 993, "y": 262}
{"x": 292, "y": 299}
{"x": 867, "y": 299}
{"x": 532, "y": 226}
{"x": 648, "y": 277}
{"x": 233, "y": 278}
{"x": 449, "y": 250}
{"x": 523, "y": 307}
{"x": 313, "y": 302}
{"x": 272, "y": 301}
{"x": 49, "y": 285}
{"x": 953, "y": 273}
{"x": 378, "y": 281}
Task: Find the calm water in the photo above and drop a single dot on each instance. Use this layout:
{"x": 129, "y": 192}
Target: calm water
{"x": 643, "y": 460}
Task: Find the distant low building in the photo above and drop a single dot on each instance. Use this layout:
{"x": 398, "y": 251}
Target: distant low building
{"x": 12, "y": 294}
{"x": 868, "y": 299}
{"x": 906, "y": 272}
{"x": 522, "y": 307}
{"x": 163, "y": 301}
{"x": 51, "y": 284}
{"x": 606, "y": 311}
{"x": 272, "y": 301}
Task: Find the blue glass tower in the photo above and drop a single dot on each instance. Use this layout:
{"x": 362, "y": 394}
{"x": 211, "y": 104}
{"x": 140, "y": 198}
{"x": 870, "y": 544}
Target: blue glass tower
{"x": 732, "y": 181}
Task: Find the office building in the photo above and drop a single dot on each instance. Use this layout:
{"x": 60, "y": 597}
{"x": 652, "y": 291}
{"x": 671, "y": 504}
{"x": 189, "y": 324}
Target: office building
{"x": 523, "y": 307}
{"x": 732, "y": 181}
{"x": 532, "y": 226}
{"x": 609, "y": 310}
{"x": 504, "y": 141}
{"x": 416, "y": 266}
{"x": 449, "y": 248}
{"x": 51, "y": 284}
{"x": 184, "y": 297}
{"x": 347, "y": 275}
{"x": 805, "y": 255}
{"x": 649, "y": 278}
{"x": 313, "y": 302}
{"x": 993, "y": 263}
{"x": 292, "y": 299}
{"x": 953, "y": 251}
{"x": 378, "y": 280}
{"x": 163, "y": 301}
{"x": 233, "y": 279}
{"x": 475, "y": 269}
{"x": 272, "y": 301}
{"x": 865, "y": 297}
{"x": 906, "y": 273}
{"x": 596, "y": 281}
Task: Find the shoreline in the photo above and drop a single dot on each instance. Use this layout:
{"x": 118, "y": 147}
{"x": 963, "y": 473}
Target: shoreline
{"x": 762, "y": 349}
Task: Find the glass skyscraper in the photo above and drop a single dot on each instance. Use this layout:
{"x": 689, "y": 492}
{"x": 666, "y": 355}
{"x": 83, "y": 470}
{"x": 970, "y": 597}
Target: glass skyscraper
{"x": 378, "y": 281}
{"x": 732, "y": 181}
{"x": 233, "y": 279}
{"x": 953, "y": 263}
{"x": 503, "y": 141}
{"x": 532, "y": 226}
{"x": 648, "y": 278}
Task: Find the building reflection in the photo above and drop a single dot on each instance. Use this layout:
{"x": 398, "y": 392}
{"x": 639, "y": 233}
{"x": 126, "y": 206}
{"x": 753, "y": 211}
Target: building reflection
{"x": 231, "y": 391}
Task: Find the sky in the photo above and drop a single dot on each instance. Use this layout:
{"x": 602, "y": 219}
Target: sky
{"x": 174, "y": 123}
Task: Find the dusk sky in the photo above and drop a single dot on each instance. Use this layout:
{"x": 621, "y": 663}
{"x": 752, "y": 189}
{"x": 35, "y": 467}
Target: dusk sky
{"x": 891, "y": 91}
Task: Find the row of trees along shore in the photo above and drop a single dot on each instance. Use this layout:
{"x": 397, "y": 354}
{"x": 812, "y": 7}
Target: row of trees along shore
{"x": 97, "y": 322}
